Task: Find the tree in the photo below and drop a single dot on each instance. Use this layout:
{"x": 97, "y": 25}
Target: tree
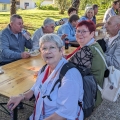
{"x": 76, "y": 4}
{"x": 63, "y": 5}
{"x": 38, "y": 3}
{"x": 13, "y": 7}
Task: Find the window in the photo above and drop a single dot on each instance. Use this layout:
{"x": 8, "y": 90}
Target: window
{"x": 4, "y": 6}
{"x": 26, "y": 4}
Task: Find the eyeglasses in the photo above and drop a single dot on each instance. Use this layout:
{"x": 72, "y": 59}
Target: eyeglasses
{"x": 82, "y": 32}
{"x": 50, "y": 49}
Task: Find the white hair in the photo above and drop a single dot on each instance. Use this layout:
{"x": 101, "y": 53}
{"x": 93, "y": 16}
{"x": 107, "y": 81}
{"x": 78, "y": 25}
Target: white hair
{"x": 51, "y": 37}
{"x": 48, "y": 21}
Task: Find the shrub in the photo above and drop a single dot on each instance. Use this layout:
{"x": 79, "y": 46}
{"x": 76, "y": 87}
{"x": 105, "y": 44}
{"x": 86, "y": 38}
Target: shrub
{"x": 48, "y": 7}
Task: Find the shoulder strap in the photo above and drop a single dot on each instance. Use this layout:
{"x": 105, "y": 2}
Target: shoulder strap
{"x": 100, "y": 89}
{"x": 43, "y": 68}
{"x": 63, "y": 71}
{"x": 101, "y": 56}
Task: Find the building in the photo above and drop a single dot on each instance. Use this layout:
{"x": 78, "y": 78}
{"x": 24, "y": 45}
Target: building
{"x": 30, "y": 4}
{"x": 4, "y": 5}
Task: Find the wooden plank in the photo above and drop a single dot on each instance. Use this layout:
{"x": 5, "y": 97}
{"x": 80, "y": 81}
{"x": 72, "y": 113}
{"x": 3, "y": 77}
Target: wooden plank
{"x": 18, "y": 76}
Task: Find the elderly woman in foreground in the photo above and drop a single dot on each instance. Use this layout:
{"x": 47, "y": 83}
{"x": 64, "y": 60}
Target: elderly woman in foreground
{"x": 63, "y": 102}
{"x": 86, "y": 55}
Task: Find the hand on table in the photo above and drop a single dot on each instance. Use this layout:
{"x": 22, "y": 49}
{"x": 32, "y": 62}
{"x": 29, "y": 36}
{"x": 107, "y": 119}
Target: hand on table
{"x": 25, "y": 55}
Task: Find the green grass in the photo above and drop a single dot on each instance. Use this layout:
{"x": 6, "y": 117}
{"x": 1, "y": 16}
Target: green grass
{"x": 34, "y": 18}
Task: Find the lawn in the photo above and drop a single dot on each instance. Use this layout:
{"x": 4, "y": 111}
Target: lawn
{"x": 33, "y": 19}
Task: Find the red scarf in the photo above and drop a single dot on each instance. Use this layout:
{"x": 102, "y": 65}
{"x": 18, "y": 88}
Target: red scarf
{"x": 44, "y": 79}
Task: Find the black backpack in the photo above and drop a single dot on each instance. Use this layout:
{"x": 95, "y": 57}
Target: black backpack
{"x": 89, "y": 86}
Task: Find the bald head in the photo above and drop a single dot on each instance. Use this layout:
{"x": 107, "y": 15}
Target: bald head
{"x": 115, "y": 19}
{"x": 113, "y": 25}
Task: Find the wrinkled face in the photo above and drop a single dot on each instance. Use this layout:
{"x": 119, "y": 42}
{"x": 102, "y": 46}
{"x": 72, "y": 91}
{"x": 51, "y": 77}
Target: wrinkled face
{"x": 50, "y": 28}
{"x": 51, "y": 53}
{"x": 83, "y": 35}
{"x": 95, "y": 11}
{"x": 16, "y": 25}
{"x": 111, "y": 27}
{"x": 90, "y": 14}
{"x": 73, "y": 12}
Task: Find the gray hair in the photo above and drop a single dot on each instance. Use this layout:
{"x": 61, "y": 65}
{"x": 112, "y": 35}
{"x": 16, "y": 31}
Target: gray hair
{"x": 51, "y": 38}
{"x": 14, "y": 16}
{"x": 48, "y": 21}
{"x": 88, "y": 9}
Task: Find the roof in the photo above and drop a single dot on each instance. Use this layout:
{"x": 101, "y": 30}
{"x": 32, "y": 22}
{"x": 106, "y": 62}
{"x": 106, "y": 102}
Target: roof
{"x": 5, "y": 1}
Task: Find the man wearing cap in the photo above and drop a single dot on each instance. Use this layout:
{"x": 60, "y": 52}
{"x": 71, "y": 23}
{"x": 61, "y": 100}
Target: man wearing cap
{"x": 48, "y": 27}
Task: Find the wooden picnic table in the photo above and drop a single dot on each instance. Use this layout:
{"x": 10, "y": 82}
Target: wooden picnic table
{"x": 19, "y": 77}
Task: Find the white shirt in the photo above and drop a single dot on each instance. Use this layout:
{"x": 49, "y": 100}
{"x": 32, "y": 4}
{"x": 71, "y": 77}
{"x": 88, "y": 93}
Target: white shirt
{"x": 65, "y": 98}
{"x": 35, "y": 38}
{"x": 111, "y": 39}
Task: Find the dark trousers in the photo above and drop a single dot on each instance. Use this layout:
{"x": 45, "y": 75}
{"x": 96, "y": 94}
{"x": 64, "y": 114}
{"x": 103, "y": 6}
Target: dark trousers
{"x": 3, "y": 63}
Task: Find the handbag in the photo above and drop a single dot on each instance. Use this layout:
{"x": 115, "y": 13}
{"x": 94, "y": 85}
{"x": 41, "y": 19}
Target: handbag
{"x": 111, "y": 85}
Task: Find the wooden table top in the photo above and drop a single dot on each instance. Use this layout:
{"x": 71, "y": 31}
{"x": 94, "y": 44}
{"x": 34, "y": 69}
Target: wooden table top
{"x": 18, "y": 76}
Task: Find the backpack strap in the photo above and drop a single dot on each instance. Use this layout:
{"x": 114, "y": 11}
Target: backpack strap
{"x": 43, "y": 68}
{"x": 63, "y": 71}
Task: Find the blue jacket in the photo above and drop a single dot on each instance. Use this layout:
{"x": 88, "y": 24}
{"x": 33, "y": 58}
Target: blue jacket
{"x": 11, "y": 47}
{"x": 68, "y": 29}
{"x": 85, "y": 18}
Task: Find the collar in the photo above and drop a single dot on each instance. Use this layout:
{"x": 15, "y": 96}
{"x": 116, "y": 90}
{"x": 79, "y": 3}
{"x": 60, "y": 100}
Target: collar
{"x": 90, "y": 42}
{"x": 11, "y": 30}
{"x": 70, "y": 25}
{"x": 111, "y": 39}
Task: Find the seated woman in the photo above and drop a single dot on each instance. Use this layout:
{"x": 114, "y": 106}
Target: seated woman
{"x": 64, "y": 100}
{"x": 89, "y": 13}
{"x": 86, "y": 55}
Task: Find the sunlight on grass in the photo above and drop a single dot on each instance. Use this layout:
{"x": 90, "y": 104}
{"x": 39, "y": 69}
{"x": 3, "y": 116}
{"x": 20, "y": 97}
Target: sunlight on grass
{"x": 33, "y": 19}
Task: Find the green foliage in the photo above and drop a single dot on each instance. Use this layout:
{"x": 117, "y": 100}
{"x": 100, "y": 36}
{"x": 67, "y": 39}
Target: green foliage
{"x": 33, "y": 19}
{"x": 38, "y": 3}
{"x": 103, "y": 4}
{"x": 63, "y": 5}
{"x": 48, "y": 7}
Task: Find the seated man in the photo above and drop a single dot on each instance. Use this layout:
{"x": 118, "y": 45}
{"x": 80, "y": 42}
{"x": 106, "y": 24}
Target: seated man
{"x": 48, "y": 27}
{"x": 95, "y": 8}
{"x": 112, "y": 53}
{"x": 70, "y": 11}
{"x": 13, "y": 42}
{"x": 69, "y": 28}
{"x": 111, "y": 11}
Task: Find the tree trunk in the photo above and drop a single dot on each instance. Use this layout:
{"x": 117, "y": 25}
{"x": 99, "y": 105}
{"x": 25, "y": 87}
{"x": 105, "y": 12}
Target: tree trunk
{"x": 76, "y": 4}
{"x": 13, "y": 7}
